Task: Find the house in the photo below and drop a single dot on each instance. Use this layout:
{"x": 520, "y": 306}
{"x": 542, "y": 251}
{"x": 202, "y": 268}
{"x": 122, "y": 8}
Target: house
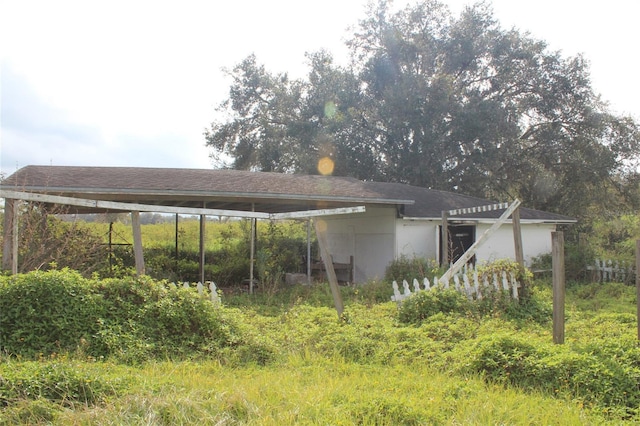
{"x": 368, "y": 224}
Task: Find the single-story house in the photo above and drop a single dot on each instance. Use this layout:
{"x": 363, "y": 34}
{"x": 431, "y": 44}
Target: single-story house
{"x": 368, "y": 224}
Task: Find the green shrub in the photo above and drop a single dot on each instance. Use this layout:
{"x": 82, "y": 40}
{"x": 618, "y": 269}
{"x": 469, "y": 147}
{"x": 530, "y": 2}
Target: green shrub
{"x": 47, "y": 312}
{"x": 407, "y": 268}
{"x": 504, "y": 358}
{"x": 425, "y": 304}
{"x": 130, "y": 319}
{"x": 183, "y": 322}
{"x": 597, "y": 379}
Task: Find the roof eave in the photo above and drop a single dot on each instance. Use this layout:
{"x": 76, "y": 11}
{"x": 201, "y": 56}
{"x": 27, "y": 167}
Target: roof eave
{"x": 485, "y": 220}
{"x": 222, "y": 194}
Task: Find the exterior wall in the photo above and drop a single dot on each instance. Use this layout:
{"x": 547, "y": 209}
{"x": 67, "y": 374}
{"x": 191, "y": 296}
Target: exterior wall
{"x": 421, "y": 239}
{"x": 536, "y": 240}
{"x": 417, "y": 239}
{"x": 369, "y": 237}
{"x": 375, "y": 238}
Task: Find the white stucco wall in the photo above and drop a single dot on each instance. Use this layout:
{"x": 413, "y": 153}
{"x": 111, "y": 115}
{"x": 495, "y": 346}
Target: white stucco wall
{"x": 369, "y": 237}
{"x": 377, "y": 237}
{"x": 421, "y": 239}
{"x": 417, "y": 239}
{"x": 536, "y": 240}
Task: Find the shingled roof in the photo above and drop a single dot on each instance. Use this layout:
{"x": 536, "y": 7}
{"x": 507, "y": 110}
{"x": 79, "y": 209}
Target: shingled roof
{"x": 243, "y": 190}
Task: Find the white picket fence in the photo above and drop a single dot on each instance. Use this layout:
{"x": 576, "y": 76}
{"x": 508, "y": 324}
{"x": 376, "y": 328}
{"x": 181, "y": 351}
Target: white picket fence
{"x": 210, "y": 291}
{"x": 609, "y": 270}
{"x": 473, "y": 287}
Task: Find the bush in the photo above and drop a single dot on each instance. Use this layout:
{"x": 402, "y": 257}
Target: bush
{"x": 182, "y": 323}
{"x": 407, "y": 268}
{"x": 131, "y": 320}
{"x": 47, "y": 312}
{"x": 424, "y": 304}
{"x": 595, "y": 378}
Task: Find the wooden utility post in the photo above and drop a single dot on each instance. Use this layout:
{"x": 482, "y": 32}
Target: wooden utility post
{"x": 137, "y": 242}
{"x": 557, "y": 253}
{"x": 321, "y": 233}
{"x": 517, "y": 238}
{"x": 638, "y": 284}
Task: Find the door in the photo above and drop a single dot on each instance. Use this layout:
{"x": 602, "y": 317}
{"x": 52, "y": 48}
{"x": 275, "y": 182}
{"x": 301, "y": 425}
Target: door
{"x": 461, "y": 237}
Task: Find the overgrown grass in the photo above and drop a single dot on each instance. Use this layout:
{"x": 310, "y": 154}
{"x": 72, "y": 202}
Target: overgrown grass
{"x": 287, "y": 358}
{"x": 306, "y": 389}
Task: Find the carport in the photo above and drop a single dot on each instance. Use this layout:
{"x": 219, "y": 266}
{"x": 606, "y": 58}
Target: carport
{"x": 230, "y": 193}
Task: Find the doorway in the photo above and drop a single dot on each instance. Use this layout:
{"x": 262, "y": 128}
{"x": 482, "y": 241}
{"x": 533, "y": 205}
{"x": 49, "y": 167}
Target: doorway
{"x": 461, "y": 237}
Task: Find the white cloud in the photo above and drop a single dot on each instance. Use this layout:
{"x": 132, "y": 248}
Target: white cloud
{"x": 137, "y": 82}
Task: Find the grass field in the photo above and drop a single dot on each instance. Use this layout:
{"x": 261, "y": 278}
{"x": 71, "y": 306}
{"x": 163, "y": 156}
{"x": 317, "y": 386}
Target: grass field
{"x": 364, "y": 368}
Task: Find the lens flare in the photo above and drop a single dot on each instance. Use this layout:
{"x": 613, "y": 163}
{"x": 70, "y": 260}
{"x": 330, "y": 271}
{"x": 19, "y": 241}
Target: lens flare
{"x": 325, "y": 166}
{"x": 321, "y": 225}
{"x": 330, "y": 109}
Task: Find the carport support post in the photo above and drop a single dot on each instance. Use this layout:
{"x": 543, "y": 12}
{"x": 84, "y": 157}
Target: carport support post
{"x": 10, "y": 241}
{"x": 137, "y": 242}
{"x": 252, "y": 254}
{"x": 321, "y": 233}
{"x": 445, "y": 238}
{"x": 557, "y": 253}
{"x": 201, "y": 246}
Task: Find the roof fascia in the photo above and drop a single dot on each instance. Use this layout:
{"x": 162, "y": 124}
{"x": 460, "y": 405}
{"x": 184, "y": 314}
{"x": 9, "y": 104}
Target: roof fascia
{"x": 490, "y": 221}
{"x": 224, "y": 194}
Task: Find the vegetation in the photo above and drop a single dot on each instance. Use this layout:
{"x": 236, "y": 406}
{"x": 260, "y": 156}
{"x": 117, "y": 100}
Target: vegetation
{"x": 491, "y": 111}
{"x": 103, "y": 245}
{"x": 125, "y": 351}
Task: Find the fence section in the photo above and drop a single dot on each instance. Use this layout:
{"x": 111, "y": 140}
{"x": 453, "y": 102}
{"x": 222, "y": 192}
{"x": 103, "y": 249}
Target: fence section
{"x": 609, "y": 270}
{"x": 208, "y": 290}
{"x": 471, "y": 283}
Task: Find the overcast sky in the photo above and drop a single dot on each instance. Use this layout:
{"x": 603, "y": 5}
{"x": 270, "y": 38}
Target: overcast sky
{"x": 135, "y": 83}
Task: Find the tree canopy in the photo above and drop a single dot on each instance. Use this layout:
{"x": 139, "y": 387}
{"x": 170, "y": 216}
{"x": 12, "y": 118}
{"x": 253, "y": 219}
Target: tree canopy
{"x": 455, "y": 103}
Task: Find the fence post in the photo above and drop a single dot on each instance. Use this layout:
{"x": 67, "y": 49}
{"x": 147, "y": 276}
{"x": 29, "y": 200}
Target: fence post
{"x": 557, "y": 242}
{"x": 638, "y": 283}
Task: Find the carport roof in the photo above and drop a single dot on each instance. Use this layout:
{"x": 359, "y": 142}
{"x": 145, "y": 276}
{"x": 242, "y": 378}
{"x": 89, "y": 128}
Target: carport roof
{"x": 219, "y": 189}
{"x": 244, "y": 190}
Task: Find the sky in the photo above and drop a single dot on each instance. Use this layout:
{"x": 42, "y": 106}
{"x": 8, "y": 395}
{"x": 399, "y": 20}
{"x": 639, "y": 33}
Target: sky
{"x": 136, "y": 82}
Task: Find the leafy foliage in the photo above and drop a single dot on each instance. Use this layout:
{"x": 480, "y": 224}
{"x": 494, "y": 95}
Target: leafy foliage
{"x": 43, "y": 313}
{"x": 141, "y": 322}
{"x": 47, "y": 241}
{"x": 491, "y": 111}
{"x": 425, "y": 304}
{"x": 407, "y": 268}
{"x": 46, "y": 312}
